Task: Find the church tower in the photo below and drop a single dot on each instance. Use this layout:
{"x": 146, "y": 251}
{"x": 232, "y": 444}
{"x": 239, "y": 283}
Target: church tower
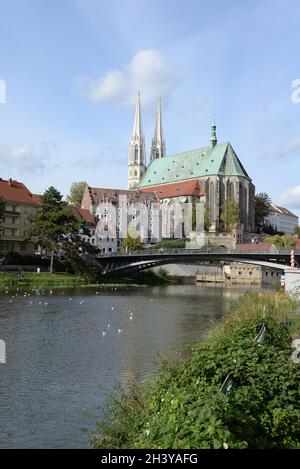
{"x": 158, "y": 149}
{"x": 213, "y": 138}
{"x": 137, "y": 152}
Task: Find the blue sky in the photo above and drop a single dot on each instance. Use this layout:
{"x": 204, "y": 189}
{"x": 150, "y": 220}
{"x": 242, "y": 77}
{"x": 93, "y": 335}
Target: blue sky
{"x": 72, "y": 70}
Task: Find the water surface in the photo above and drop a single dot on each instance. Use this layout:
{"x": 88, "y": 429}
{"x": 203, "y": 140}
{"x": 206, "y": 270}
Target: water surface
{"x": 59, "y": 362}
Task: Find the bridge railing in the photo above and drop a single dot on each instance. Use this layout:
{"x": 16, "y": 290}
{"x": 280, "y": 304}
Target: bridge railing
{"x": 166, "y": 252}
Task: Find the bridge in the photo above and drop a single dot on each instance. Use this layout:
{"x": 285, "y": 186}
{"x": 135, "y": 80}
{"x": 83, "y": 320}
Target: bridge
{"x": 147, "y": 258}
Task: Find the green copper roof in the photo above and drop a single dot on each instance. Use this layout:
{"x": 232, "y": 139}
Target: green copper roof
{"x": 206, "y": 161}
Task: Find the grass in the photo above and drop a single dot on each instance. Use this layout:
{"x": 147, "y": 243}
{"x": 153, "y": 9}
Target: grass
{"x": 184, "y": 407}
{"x": 45, "y": 279}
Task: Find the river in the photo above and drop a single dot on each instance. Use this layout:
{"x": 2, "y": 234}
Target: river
{"x": 65, "y": 348}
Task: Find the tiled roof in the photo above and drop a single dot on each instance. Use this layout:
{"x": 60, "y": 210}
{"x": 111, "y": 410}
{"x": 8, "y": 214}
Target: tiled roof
{"x": 82, "y": 214}
{"x": 17, "y": 192}
{"x": 100, "y": 195}
{"x": 263, "y": 247}
{"x": 282, "y": 211}
{"x": 206, "y": 161}
{"x": 177, "y": 189}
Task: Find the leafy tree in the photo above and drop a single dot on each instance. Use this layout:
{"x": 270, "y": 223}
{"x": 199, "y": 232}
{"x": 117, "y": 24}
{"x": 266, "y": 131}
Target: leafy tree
{"x": 2, "y": 211}
{"x": 262, "y": 209}
{"x": 297, "y": 230}
{"x": 57, "y": 230}
{"x": 268, "y": 229}
{"x": 76, "y": 193}
{"x": 229, "y": 214}
{"x": 284, "y": 242}
{"x": 132, "y": 242}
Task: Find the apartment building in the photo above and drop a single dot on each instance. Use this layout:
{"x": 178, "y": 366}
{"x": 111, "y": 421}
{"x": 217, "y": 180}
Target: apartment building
{"x": 18, "y": 203}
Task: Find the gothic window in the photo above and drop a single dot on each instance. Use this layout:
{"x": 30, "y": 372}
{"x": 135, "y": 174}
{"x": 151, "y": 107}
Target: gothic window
{"x": 228, "y": 189}
{"x": 212, "y": 201}
{"x": 135, "y": 172}
{"x": 136, "y": 155}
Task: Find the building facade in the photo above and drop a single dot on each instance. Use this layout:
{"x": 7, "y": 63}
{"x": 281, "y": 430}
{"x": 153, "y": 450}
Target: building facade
{"x": 282, "y": 219}
{"x": 107, "y": 208}
{"x": 19, "y": 204}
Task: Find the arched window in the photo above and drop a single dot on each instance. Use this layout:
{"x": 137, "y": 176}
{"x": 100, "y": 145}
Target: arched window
{"x": 212, "y": 201}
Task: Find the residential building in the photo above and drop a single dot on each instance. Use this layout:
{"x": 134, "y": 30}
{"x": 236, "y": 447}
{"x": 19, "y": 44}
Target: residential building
{"x": 282, "y": 219}
{"x": 89, "y": 220}
{"x": 107, "y": 205}
{"x": 20, "y": 203}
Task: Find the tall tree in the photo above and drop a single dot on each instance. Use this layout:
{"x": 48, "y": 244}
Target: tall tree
{"x": 229, "y": 214}
{"x": 55, "y": 228}
{"x": 76, "y": 193}
{"x": 262, "y": 209}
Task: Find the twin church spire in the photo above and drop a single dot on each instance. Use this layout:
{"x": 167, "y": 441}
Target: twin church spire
{"x": 137, "y": 150}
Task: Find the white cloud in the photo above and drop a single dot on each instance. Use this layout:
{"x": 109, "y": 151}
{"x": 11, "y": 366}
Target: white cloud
{"x": 291, "y": 197}
{"x": 148, "y": 72}
{"x": 110, "y": 156}
{"x": 289, "y": 149}
{"x": 25, "y": 159}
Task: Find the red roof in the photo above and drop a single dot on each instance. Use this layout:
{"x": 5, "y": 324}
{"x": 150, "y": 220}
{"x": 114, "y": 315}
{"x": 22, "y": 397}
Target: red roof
{"x": 17, "y": 192}
{"x": 97, "y": 195}
{"x": 177, "y": 189}
{"x": 263, "y": 247}
{"x": 82, "y": 214}
{"x": 282, "y": 210}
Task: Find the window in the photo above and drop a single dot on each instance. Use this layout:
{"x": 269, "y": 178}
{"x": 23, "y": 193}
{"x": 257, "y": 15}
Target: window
{"x": 250, "y": 273}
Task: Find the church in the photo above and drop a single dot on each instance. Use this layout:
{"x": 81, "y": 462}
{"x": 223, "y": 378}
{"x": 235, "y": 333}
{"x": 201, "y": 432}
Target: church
{"x": 209, "y": 174}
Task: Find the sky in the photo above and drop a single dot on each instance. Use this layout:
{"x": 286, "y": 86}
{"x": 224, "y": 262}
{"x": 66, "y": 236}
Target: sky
{"x": 70, "y": 71}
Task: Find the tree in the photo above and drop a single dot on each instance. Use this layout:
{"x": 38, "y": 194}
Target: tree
{"x": 297, "y": 230}
{"x": 285, "y": 241}
{"x": 76, "y": 193}
{"x": 132, "y": 242}
{"x": 262, "y": 209}
{"x": 229, "y": 214}
{"x": 56, "y": 229}
{"x": 2, "y": 211}
{"x": 269, "y": 229}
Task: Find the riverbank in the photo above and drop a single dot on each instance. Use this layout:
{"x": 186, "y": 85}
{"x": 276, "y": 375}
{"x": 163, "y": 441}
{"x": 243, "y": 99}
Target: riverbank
{"x": 59, "y": 280}
{"x": 237, "y": 389}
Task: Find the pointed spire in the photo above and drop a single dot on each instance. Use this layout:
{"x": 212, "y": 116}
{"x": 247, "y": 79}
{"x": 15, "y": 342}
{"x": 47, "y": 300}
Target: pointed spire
{"x": 137, "y": 126}
{"x": 137, "y": 151}
{"x": 213, "y": 138}
{"x": 158, "y": 149}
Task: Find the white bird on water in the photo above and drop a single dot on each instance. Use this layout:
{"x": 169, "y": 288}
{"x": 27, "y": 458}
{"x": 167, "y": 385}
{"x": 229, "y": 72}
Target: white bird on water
{"x": 119, "y": 331}
{"x": 108, "y": 325}
{"x": 112, "y": 308}
{"x": 103, "y": 333}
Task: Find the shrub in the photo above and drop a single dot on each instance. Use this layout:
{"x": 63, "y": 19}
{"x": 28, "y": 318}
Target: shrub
{"x": 185, "y": 408}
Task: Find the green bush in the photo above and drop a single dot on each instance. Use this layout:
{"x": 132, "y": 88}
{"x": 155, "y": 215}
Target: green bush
{"x": 170, "y": 244}
{"x": 185, "y": 407}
